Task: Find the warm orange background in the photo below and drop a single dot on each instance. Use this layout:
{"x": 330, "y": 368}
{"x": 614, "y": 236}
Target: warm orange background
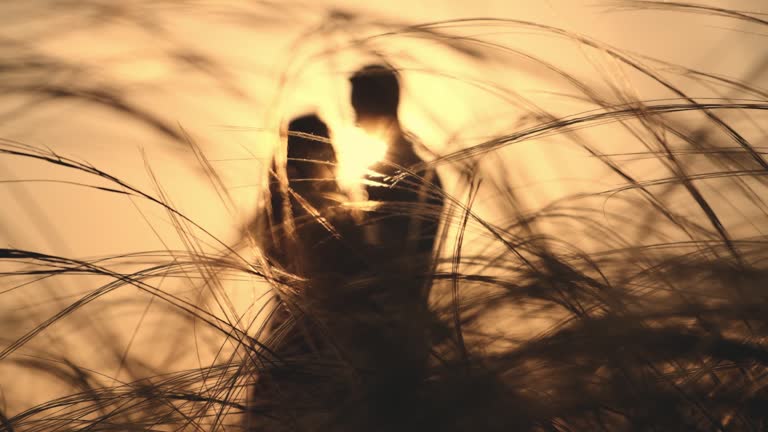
{"x": 229, "y": 74}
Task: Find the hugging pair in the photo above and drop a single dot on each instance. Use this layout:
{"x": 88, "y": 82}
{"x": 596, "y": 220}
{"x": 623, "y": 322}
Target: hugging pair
{"x": 308, "y": 231}
{"x": 353, "y": 291}
{"x": 352, "y": 324}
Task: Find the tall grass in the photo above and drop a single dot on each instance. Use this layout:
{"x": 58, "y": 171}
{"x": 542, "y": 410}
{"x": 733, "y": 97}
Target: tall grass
{"x": 635, "y": 304}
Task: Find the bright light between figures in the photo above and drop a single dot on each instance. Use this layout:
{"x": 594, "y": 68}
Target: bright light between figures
{"x": 357, "y": 151}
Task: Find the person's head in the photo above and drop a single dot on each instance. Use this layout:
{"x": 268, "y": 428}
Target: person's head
{"x": 307, "y": 139}
{"x": 375, "y": 91}
{"x": 309, "y": 152}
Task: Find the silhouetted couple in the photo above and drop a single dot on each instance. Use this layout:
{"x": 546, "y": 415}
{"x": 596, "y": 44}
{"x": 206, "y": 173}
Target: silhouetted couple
{"x": 363, "y": 299}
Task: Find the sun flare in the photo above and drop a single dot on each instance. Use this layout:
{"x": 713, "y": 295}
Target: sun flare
{"x": 357, "y": 152}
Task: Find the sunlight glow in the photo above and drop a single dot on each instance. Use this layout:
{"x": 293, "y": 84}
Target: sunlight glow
{"x": 357, "y": 151}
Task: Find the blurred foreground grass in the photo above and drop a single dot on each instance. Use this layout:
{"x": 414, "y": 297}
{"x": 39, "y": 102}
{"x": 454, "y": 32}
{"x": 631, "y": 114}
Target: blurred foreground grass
{"x": 603, "y": 260}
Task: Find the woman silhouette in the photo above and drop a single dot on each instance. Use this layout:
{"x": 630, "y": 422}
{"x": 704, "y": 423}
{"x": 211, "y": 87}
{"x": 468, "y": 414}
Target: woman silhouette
{"x": 298, "y": 235}
{"x": 298, "y": 218}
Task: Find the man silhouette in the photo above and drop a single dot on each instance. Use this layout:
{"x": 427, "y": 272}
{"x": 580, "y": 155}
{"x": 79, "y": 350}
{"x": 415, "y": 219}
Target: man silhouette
{"x": 400, "y": 235}
{"x": 409, "y": 207}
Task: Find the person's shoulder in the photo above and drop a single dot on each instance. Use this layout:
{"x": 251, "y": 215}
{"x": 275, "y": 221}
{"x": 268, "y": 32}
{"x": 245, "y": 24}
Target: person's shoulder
{"x": 410, "y": 139}
{"x": 417, "y": 147}
{"x": 405, "y": 149}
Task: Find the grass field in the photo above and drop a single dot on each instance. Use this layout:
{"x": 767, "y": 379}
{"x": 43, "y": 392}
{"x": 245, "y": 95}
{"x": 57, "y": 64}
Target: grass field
{"x": 602, "y": 257}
